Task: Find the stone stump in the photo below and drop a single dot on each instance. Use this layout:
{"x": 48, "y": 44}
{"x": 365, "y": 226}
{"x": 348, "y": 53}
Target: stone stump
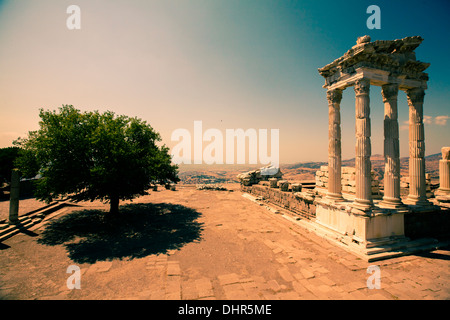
{"x": 443, "y": 193}
{"x": 273, "y": 182}
{"x": 283, "y": 185}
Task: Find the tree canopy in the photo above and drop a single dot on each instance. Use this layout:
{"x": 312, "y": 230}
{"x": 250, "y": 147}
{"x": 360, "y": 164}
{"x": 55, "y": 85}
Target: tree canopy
{"x": 7, "y": 157}
{"x": 94, "y": 156}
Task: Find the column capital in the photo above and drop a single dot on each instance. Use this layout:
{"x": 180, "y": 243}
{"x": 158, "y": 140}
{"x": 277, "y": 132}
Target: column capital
{"x": 389, "y": 91}
{"x": 415, "y": 95}
{"x": 334, "y": 96}
{"x": 362, "y": 87}
{"x": 445, "y": 153}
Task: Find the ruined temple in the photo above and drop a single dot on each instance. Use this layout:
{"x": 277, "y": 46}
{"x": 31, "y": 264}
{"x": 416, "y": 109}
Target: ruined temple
{"x": 371, "y": 223}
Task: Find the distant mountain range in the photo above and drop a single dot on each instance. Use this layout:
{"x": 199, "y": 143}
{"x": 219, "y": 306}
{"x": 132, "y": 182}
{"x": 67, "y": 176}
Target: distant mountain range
{"x": 194, "y": 174}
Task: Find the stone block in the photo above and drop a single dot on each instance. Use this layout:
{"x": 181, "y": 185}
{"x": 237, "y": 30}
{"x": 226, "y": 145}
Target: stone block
{"x": 349, "y": 170}
{"x": 283, "y": 185}
{"x": 273, "y": 182}
{"x": 404, "y": 185}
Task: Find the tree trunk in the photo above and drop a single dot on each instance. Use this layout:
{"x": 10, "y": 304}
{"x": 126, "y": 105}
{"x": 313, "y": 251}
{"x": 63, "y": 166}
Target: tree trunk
{"x": 114, "y": 204}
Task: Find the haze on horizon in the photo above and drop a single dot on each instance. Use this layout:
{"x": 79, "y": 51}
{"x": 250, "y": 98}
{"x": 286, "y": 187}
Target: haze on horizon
{"x": 231, "y": 64}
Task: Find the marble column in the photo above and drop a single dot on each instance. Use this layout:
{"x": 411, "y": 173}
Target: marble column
{"x": 334, "y": 98}
{"x": 14, "y": 197}
{"x": 443, "y": 193}
{"x": 391, "y": 196}
{"x": 417, "y": 188}
{"x": 363, "y": 166}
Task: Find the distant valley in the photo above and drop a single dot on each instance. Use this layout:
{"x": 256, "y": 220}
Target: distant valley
{"x": 197, "y": 174}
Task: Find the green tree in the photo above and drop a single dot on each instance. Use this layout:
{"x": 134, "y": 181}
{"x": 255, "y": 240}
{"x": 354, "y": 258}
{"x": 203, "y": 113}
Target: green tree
{"x": 93, "y": 156}
{"x": 7, "y": 158}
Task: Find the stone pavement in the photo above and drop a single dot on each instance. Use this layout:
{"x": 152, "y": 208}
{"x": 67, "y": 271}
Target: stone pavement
{"x": 244, "y": 252}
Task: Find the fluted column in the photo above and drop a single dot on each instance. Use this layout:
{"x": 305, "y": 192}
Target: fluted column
{"x": 363, "y": 167}
{"x": 334, "y": 98}
{"x": 391, "y": 196}
{"x": 443, "y": 193}
{"x": 417, "y": 188}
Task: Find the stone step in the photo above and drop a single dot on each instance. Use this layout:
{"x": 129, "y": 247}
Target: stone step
{"x": 24, "y": 219}
{"x": 407, "y": 250}
{"x": 384, "y": 242}
{"x": 399, "y": 246}
{"x": 7, "y": 229}
{"x": 12, "y": 229}
{"x": 46, "y": 209}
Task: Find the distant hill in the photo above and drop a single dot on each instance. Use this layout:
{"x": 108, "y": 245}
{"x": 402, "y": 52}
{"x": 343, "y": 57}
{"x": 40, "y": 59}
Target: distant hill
{"x": 194, "y": 174}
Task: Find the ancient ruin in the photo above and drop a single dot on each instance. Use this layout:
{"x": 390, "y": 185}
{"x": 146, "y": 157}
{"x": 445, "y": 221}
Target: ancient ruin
{"x": 346, "y": 204}
{"x": 262, "y": 174}
{"x": 443, "y": 193}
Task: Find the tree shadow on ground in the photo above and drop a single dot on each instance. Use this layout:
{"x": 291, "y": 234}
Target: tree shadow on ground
{"x": 137, "y": 231}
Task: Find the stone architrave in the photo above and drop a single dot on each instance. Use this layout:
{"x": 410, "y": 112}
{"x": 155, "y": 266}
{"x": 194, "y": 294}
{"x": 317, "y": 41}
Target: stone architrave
{"x": 417, "y": 187}
{"x": 363, "y": 198}
{"x": 391, "y": 196}
{"x": 443, "y": 193}
{"x": 334, "y": 98}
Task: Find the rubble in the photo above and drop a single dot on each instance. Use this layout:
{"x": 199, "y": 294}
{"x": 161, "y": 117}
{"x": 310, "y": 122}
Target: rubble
{"x": 217, "y": 187}
{"x": 262, "y": 174}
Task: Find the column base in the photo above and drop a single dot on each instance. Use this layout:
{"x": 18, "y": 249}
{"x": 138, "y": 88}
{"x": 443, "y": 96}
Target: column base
{"x": 13, "y": 221}
{"x": 442, "y": 195}
{"x": 337, "y": 197}
{"x": 364, "y": 205}
{"x": 417, "y": 201}
{"x": 392, "y": 203}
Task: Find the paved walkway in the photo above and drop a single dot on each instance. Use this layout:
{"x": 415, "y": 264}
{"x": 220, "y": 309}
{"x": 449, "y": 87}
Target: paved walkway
{"x": 232, "y": 248}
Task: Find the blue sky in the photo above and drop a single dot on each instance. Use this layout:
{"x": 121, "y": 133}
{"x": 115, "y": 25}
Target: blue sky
{"x": 232, "y": 64}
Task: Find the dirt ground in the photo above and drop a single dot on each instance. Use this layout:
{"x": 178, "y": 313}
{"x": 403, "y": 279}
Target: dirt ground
{"x": 201, "y": 244}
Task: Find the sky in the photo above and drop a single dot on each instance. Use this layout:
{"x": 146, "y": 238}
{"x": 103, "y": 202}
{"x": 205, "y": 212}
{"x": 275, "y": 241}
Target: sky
{"x": 249, "y": 64}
